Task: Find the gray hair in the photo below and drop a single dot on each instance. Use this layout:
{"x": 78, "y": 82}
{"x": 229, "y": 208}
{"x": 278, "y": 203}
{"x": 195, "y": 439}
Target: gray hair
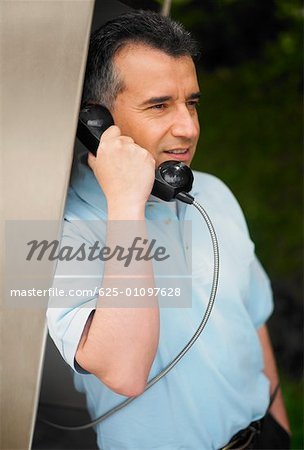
{"x": 102, "y": 82}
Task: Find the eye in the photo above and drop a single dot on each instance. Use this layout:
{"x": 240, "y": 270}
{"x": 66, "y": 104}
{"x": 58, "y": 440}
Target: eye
{"x": 192, "y": 104}
{"x": 159, "y": 106}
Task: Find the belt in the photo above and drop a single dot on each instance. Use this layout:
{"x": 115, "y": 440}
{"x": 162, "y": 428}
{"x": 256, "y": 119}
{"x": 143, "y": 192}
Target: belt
{"x": 244, "y": 439}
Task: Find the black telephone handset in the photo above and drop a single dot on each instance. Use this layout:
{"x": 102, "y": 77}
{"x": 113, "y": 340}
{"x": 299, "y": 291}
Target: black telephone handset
{"x": 171, "y": 178}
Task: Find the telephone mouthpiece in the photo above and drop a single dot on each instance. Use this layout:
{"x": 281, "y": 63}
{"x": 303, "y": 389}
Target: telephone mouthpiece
{"x": 171, "y": 178}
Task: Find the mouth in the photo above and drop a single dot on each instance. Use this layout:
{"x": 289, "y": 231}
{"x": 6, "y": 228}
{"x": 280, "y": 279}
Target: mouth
{"x": 179, "y": 154}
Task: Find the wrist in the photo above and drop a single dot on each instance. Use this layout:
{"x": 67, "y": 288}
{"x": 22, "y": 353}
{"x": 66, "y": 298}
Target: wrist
{"x": 126, "y": 211}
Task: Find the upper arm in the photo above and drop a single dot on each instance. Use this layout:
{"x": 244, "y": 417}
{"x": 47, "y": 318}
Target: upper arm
{"x": 69, "y": 315}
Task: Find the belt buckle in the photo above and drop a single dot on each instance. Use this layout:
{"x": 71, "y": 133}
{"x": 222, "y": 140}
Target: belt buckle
{"x": 244, "y": 439}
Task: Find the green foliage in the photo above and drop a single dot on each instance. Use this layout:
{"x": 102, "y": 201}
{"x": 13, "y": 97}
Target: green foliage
{"x": 251, "y": 137}
{"x": 293, "y": 396}
{"x": 230, "y": 31}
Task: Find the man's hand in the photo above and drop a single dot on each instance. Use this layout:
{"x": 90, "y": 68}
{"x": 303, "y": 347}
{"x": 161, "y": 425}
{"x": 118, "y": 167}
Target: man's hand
{"x": 124, "y": 170}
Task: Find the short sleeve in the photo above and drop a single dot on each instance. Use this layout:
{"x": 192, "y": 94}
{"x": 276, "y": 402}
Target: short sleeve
{"x": 66, "y": 328}
{"x": 75, "y": 288}
{"x": 259, "y": 300}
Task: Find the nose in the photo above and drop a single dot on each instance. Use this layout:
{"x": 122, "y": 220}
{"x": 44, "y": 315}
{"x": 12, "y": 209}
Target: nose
{"x": 185, "y": 123}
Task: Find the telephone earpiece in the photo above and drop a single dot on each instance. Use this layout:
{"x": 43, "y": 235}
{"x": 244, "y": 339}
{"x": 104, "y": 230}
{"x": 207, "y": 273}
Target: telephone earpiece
{"x": 93, "y": 121}
{"x": 171, "y": 178}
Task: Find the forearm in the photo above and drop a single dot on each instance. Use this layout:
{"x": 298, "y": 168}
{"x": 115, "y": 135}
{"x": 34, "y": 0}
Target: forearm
{"x": 120, "y": 343}
{"x": 277, "y": 409}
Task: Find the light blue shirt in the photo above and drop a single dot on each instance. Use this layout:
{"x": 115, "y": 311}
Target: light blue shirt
{"x": 219, "y": 386}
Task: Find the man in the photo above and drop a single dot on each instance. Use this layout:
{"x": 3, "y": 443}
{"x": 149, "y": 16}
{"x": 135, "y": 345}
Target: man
{"x": 141, "y": 67}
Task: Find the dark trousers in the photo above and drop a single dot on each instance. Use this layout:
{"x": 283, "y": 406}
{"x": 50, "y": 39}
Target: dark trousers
{"x": 272, "y": 436}
{"x": 264, "y": 434}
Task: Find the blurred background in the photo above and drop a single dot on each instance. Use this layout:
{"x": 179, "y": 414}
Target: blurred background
{"x": 250, "y": 75}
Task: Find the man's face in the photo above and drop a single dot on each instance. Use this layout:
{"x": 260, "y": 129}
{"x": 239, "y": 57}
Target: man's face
{"x": 157, "y": 108}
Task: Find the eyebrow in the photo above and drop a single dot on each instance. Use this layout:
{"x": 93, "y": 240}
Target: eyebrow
{"x": 167, "y": 98}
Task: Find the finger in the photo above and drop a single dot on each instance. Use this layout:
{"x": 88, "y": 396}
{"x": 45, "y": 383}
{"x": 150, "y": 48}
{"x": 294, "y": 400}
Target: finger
{"x": 143, "y": 150}
{"x": 110, "y": 133}
{"x": 127, "y": 139}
